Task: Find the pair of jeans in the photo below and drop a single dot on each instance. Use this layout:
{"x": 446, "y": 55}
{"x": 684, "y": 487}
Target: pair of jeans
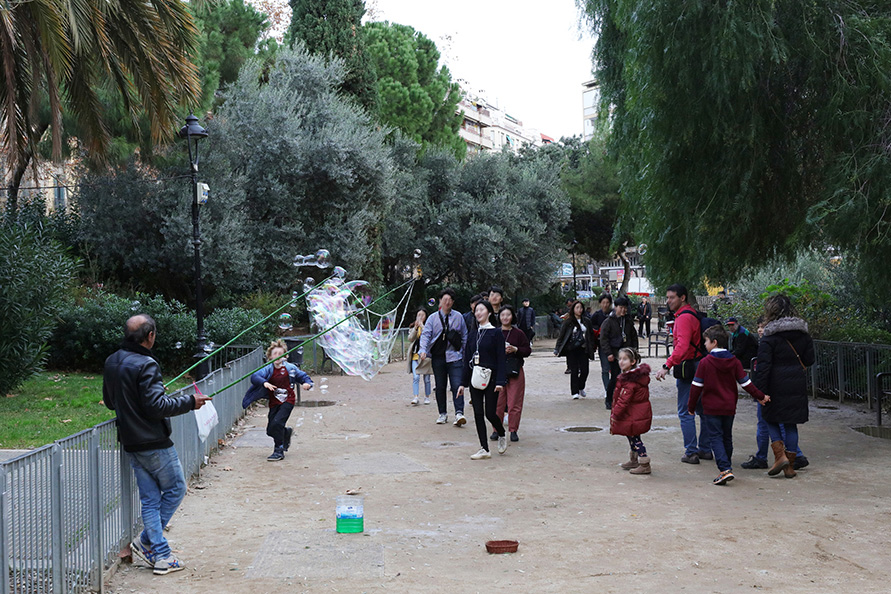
{"x": 162, "y": 486}
{"x": 577, "y": 359}
{"x": 277, "y": 422}
{"x": 720, "y": 430}
{"x": 762, "y": 439}
{"x": 604, "y": 374}
{"x": 785, "y": 432}
{"x": 416, "y": 380}
{"x": 452, "y": 372}
{"x": 485, "y": 404}
{"x": 688, "y": 422}
{"x": 614, "y": 372}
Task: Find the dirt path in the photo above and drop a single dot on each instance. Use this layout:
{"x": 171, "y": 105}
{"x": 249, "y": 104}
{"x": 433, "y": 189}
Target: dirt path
{"x": 583, "y": 524}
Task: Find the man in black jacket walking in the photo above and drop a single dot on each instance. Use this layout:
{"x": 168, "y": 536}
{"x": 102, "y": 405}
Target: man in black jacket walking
{"x": 132, "y": 387}
{"x": 526, "y": 317}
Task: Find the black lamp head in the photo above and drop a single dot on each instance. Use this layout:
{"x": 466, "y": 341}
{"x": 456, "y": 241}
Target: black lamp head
{"x": 192, "y": 129}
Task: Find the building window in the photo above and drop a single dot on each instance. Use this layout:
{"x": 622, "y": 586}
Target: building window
{"x": 59, "y": 198}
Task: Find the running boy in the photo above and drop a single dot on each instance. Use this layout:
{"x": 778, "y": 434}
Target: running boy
{"x": 715, "y": 382}
{"x": 276, "y": 382}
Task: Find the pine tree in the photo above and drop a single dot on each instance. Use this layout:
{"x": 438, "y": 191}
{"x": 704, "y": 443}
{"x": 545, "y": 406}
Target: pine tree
{"x": 334, "y": 27}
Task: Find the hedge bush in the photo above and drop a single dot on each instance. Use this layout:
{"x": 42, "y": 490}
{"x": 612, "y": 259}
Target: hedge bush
{"x": 92, "y": 327}
{"x": 35, "y": 274}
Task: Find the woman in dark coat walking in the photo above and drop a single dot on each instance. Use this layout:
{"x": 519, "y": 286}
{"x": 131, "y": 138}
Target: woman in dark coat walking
{"x": 784, "y": 354}
{"x": 572, "y": 343}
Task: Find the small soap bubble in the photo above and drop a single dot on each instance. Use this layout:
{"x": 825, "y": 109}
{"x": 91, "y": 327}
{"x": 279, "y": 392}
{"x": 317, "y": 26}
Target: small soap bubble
{"x": 431, "y": 302}
{"x": 340, "y": 272}
{"x": 299, "y": 260}
{"x": 309, "y": 284}
{"x": 323, "y": 259}
{"x": 324, "y": 379}
{"x": 642, "y": 249}
{"x": 417, "y": 253}
{"x": 178, "y": 345}
{"x": 135, "y": 306}
{"x": 284, "y": 321}
{"x": 439, "y": 222}
{"x": 324, "y": 386}
{"x": 210, "y": 381}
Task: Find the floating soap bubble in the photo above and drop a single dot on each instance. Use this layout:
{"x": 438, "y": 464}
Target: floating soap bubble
{"x": 355, "y": 337}
{"x": 135, "y": 306}
{"x": 439, "y": 221}
{"x": 431, "y": 302}
{"x": 323, "y": 259}
{"x": 299, "y": 260}
{"x": 210, "y": 346}
{"x": 294, "y": 296}
{"x": 324, "y": 391}
{"x": 417, "y": 253}
{"x": 340, "y": 272}
{"x": 284, "y": 321}
{"x": 308, "y": 284}
{"x": 642, "y": 249}
{"x": 178, "y": 345}
{"x": 324, "y": 380}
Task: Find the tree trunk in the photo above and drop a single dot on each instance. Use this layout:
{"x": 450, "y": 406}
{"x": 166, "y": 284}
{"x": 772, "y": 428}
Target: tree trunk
{"x": 623, "y": 290}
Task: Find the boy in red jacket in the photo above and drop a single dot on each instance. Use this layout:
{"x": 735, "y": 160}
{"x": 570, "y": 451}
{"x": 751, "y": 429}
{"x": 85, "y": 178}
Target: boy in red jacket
{"x": 715, "y": 382}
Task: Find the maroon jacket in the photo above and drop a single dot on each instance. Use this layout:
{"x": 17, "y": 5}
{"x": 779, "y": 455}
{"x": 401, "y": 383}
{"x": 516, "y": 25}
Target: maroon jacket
{"x": 715, "y": 382}
{"x": 631, "y": 412}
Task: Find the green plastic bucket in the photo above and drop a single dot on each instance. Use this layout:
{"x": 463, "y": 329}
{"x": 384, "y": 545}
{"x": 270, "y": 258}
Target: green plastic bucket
{"x": 350, "y": 513}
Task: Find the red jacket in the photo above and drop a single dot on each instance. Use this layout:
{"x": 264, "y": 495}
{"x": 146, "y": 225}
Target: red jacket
{"x": 687, "y": 335}
{"x": 631, "y": 412}
{"x": 715, "y": 381}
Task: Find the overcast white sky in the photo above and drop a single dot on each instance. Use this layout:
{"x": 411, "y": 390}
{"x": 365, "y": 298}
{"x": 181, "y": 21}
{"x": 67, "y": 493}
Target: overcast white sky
{"x": 530, "y": 58}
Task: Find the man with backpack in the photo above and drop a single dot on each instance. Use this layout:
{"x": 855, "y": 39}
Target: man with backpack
{"x": 687, "y": 352}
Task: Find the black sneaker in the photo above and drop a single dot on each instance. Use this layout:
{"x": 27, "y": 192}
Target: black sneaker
{"x": 494, "y": 436}
{"x": 514, "y": 436}
{"x": 800, "y": 462}
{"x": 289, "y": 431}
{"x": 276, "y": 455}
{"x": 691, "y": 459}
{"x": 706, "y": 455}
{"x": 567, "y": 372}
{"x": 754, "y": 463}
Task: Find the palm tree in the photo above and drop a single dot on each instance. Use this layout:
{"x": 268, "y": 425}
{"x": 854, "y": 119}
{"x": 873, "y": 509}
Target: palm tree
{"x": 56, "y": 54}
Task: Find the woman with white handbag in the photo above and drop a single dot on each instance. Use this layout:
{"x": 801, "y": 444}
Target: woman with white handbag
{"x": 485, "y": 374}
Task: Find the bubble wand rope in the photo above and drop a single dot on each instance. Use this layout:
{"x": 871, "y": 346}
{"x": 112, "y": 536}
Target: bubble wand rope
{"x": 243, "y": 332}
{"x": 285, "y": 354}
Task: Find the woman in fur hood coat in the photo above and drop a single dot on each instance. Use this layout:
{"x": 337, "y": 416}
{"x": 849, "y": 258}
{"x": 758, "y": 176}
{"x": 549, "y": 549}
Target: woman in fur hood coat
{"x": 784, "y": 354}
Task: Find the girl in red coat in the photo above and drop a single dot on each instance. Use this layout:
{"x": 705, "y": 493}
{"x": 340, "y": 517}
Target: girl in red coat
{"x": 632, "y": 414}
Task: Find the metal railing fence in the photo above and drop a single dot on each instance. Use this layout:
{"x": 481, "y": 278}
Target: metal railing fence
{"x": 847, "y": 370}
{"x": 68, "y": 508}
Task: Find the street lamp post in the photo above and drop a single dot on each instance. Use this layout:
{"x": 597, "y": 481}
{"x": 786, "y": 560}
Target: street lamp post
{"x": 192, "y": 132}
{"x": 574, "y": 288}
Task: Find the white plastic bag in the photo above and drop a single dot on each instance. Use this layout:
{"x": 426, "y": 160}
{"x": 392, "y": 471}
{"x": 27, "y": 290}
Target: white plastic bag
{"x": 206, "y": 417}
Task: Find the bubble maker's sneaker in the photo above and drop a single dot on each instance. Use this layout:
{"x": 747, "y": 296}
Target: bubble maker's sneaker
{"x": 168, "y": 565}
{"x": 142, "y": 552}
{"x": 414, "y": 400}
{"x": 427, "y": 400}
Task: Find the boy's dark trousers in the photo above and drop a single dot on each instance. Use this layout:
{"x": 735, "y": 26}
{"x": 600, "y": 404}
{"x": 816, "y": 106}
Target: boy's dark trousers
{"x": 278, "y": 418}
{"x": 720, "y": 430}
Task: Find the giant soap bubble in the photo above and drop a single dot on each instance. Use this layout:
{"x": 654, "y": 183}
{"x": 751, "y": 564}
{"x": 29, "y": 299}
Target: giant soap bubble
{"x": 358, "y": 339}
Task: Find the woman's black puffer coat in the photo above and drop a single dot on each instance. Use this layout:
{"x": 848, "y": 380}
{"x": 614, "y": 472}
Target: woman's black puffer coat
{"x": 783, "y": 354}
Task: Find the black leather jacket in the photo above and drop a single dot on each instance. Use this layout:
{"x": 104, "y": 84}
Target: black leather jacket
{"x": 132, "y": 387}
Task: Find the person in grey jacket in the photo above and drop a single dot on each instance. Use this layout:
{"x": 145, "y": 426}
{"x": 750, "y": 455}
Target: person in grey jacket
{"x": 617, "y": 332}
{"x": 132, "y": 387}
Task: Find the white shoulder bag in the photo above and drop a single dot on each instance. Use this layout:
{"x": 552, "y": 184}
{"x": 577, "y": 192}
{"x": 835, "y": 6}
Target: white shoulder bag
{"x": 481, "y": 375}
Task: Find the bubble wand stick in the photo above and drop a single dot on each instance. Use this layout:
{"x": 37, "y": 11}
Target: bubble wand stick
{"x": 311, "y": 338}
{"x": 243, "y": 332}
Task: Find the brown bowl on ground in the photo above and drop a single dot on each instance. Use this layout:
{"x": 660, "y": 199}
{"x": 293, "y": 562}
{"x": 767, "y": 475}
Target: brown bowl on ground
{"x": 496, "y": 547}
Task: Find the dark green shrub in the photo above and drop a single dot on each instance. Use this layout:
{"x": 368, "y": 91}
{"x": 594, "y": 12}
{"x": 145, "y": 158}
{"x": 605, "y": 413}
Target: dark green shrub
{"x": 35, "y": 274}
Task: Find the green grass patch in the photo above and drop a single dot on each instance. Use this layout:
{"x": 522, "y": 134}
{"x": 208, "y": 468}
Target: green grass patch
{"x": 52, "y": 405}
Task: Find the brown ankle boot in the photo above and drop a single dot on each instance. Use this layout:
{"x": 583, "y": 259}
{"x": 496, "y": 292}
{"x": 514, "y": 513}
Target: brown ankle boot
{"x": 779, "y": 456}
{"x": 789, "y": 471}
{"x": 632, "y": 463}
{"x": 643, "y": 468}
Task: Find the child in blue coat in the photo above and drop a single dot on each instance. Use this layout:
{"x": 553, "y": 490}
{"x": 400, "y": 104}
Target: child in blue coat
{"x": 276, "y": 382}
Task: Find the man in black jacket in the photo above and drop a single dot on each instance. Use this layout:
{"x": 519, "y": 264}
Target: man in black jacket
{"x": 616, "y": 332}
{"x": 132, "y": 387}
{"x": 743, "y": 343}
{"x": 645, "y": 314}
{"x": 526, "y": 317}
